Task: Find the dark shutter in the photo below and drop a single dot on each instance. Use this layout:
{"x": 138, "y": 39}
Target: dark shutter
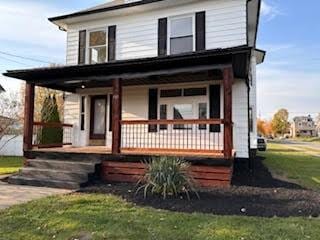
{"x": 153, "y": 108}
{"x": 201, "y": 31}
{"x": 110, "y": 112}
{"x": 112, "y": 43}
{"x": 215, "y": 104}
{"x": 82, "y": 47}
{"x": 162, "y": 37}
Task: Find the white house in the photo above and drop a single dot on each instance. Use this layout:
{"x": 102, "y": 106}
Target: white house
{"x": 156, "y": 77}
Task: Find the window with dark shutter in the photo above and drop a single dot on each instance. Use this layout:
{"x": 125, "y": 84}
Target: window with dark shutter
{"x": 201, "y": 31}
{"x": 112, "y": 43}
{"x": 153, "y": 108}
{"x": 82, "y": 47}
{"x": 215, "y": 107}
{"x": 162, "y": 36}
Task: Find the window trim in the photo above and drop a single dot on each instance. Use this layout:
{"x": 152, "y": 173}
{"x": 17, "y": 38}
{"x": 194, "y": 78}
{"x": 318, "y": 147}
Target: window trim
{"x": 89, "y": 31}
{"x": 176, "y": 100}
{"x": 193, "y": 16}
{"x": 83, "y": 102}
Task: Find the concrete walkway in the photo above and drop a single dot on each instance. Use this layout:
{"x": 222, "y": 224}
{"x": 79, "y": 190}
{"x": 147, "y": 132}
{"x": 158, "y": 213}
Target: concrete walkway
{"x": 13, "y": 194}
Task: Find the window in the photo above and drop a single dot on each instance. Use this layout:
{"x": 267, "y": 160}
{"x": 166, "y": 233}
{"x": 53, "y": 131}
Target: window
{"x": 181, "y": 35}
{"x": 97, "y": 47}
{"x": 163, "y": 116}
{"x": 251, "y": 119}
{"x": 182, "y": 111}
{"x": 202, "y": 115}
{"x": 82, "y": 116}
{"x": 188, "y": 92}
{"x": 171, "y": 93}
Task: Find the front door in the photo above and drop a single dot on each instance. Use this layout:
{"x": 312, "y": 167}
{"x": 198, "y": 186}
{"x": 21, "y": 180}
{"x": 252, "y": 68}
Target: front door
{"x": 98, "y": 118}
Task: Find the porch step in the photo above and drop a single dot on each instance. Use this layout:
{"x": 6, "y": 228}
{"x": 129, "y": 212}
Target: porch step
{"x": 61, "y": 165}
{"x": 62, "y": 172}
{"x": 49, "y": 174}
{"x": 65, "y": 156}
{"x": 20, "y": 180}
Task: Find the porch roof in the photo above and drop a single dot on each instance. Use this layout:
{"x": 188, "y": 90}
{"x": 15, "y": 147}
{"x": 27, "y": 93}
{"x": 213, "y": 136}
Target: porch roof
{"x": 196, "y": 66}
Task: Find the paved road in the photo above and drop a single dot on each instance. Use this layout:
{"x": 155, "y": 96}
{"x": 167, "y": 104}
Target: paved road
{"x": 12, "y": 194}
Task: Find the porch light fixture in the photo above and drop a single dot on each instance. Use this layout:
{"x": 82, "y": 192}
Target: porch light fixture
{"x": 83, "y": 86}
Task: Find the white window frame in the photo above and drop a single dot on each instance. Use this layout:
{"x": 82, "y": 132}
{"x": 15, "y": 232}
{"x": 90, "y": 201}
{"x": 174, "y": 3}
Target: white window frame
{"x": 193, "y": 16}
{"x": 88, "y": 42}
{"x": 194, "y": 100}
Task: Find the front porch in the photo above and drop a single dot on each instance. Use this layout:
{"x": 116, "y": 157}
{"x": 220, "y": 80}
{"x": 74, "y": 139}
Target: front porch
{"x": 116, "y": 128}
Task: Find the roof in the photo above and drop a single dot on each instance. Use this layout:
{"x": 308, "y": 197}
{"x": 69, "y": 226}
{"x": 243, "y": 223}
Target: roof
{"x": 111, "y": 6}
{"x": 137, "y": 71}
{"x": 2, "y": 89}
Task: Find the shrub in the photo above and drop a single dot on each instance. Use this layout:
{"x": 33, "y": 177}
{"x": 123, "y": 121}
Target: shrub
{"x": 50, "y": 114}
{"x": 167, "y": 176}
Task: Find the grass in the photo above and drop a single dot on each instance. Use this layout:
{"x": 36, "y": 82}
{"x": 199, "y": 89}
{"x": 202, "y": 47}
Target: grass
{"x": 296, "y": 165}
{"x": 10, "y": 165}
{"x": 308, "y": 139}
{"x": 109, "y": 217}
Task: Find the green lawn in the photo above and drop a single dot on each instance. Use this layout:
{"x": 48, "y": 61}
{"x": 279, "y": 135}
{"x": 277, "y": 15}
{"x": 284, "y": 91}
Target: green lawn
{"x": 296, "y": 165}
{"x": 308, "y": 139}
{"x": 109, "y": 217}
{"x": 10, "y": 164}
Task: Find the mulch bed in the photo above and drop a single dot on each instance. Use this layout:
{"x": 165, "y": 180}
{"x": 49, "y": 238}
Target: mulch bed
{"x": 256, "y": 194}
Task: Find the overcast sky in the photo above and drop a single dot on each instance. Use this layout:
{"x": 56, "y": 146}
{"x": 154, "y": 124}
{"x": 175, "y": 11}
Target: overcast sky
{"x": 289, "y": 78}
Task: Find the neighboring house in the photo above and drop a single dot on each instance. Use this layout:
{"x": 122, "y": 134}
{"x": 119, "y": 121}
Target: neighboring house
{"x": 161, "y": 77}
{"x": 303, "y": 126}
{"x": 11, "y": 138}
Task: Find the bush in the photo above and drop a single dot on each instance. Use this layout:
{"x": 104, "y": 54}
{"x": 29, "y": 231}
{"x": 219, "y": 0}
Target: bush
{"x": 167, "y": 176}
{"x": 50, "y": 114}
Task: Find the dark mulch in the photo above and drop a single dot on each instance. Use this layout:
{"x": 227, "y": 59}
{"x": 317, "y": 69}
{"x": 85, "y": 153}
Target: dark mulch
{"x": 256, "y": 194}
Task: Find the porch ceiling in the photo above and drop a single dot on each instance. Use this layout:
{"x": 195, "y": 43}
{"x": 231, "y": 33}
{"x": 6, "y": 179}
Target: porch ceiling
{"x": 197, "y": 66}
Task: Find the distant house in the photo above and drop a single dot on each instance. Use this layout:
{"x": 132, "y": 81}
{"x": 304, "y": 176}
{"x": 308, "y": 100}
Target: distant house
{"x": 303, "y": 126}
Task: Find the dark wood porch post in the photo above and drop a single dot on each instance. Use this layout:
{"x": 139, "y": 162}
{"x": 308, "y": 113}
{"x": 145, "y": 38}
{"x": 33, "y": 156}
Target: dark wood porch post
{"x": 28, "y": 116}
{"x": 116, "y": 116}
{"x": 228, "y": 135}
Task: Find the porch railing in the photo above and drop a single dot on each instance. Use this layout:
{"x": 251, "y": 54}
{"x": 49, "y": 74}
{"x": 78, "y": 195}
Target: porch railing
{"x": 46, "y": 135}
{"x": 184, "y": 136}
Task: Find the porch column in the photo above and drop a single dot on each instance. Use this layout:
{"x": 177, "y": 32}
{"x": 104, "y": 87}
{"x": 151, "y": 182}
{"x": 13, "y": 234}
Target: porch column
{"x": 228, "y": 135}
{"x": 28, "y": 116}
{"x": 116, "y": 116}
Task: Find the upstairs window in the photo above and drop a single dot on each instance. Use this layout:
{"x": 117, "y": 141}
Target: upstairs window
{"x": 97, "y": 46}
{"x": 181, "y": 34}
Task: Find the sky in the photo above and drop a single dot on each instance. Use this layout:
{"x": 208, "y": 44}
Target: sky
{"x": 289, "y": 32}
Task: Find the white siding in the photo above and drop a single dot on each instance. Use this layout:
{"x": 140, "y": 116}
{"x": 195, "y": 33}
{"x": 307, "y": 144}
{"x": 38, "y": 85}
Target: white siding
{"x": 240, "y": 118}
{"x": 71, "y": 116}
{"x": 137, "y": 35}
{"x": 253, "y": 103}
{"x": 13, "y": 147}
{"x": 72, "y": 47}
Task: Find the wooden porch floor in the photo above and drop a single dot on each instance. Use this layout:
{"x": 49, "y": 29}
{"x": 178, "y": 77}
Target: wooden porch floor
{"x": 144, "y": 152}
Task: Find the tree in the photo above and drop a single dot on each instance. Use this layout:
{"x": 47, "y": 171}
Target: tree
{"x": 264, "y": 128}
{"x": 10, "y": 117}
{"x": 280, "y": 122}
{"x": 41, "y": 94}
{"x": 50, "y": 114}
